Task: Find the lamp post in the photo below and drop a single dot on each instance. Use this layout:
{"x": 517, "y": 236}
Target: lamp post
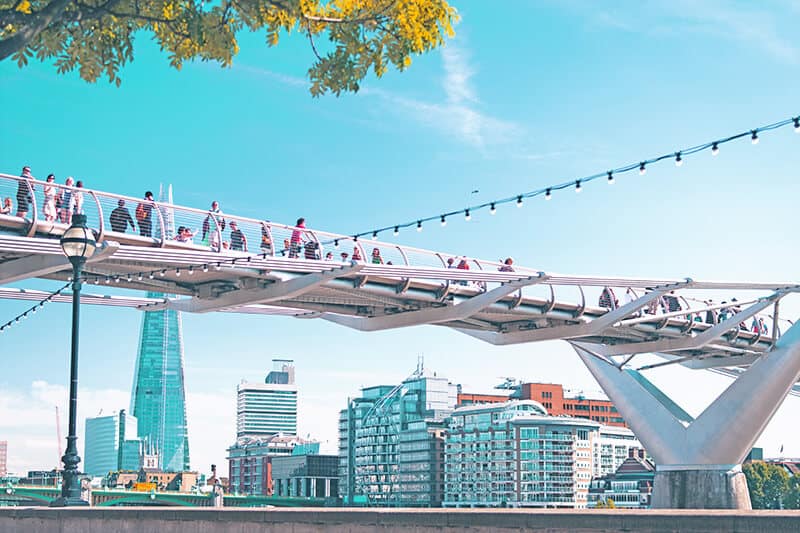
{"x": 78, "y": 244}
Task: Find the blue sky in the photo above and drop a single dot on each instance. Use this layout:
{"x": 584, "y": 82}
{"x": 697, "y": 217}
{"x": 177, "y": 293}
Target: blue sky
{"x": 524, "y": 96}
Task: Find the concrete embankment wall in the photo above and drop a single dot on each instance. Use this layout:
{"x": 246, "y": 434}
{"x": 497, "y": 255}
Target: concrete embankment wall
{"x": 174, "y": 520}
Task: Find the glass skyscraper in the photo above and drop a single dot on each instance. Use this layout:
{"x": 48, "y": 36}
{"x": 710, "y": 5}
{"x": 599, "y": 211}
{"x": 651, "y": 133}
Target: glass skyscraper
{"x": 159, "y": 399}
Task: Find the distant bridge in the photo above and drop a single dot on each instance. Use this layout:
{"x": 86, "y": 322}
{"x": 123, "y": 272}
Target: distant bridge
{"x": 276, "y": 269}
{"x": 26, "y": 496}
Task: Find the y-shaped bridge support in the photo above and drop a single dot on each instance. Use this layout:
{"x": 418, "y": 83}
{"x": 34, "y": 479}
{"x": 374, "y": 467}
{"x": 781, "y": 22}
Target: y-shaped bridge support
{"x": 699, "y": 461}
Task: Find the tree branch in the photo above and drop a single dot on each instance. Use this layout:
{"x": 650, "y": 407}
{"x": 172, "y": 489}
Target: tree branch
{"x": 39, "y": 21}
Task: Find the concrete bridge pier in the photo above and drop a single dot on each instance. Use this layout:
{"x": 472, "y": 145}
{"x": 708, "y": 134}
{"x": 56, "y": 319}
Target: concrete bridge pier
{"x": 699, "y": 461}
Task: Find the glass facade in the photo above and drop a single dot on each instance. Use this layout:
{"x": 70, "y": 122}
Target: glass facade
{"x": 111, "y": 444}
{"x": 159, "y": 399}
{"x": 513, "y": 454}
{"x": 391, "y": 443}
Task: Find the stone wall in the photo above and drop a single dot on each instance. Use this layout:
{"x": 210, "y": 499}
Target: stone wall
{"x": 173, "y": 520}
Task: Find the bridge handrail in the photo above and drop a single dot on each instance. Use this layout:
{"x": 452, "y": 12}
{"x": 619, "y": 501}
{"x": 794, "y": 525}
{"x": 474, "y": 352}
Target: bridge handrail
{"x": 323, "y": 238}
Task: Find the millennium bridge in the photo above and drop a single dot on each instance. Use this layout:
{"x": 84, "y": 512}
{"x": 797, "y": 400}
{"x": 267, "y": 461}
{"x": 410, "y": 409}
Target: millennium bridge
{"x": 268, "y": 268}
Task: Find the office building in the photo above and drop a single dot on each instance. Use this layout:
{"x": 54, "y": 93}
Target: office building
{"x": 391, "y": 443}
{"x": 158, "y": 400}
{"x": 3, "y": 458}
{"x": 111, "y": 444}
{"x": 269, "y": 408}
{"x": 515, "y": 454}
{"x": 250, "y": 461}
{"x": 306, "y": 476}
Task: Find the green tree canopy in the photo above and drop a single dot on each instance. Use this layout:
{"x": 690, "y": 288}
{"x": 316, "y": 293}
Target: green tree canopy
{"x": 768, "y": 484}
{"x": 96, "y": 37}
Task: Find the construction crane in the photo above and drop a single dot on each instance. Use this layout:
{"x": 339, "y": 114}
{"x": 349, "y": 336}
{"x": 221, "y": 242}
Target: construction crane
{"x": 58, "y": 435}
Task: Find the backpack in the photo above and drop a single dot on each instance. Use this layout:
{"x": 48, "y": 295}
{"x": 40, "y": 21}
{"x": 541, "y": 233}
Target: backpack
{"x": 141, "y": 214}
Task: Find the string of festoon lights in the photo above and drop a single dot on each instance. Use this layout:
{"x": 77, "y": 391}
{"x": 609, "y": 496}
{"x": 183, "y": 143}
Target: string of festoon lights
{"x": 32, "y": 310}
{"x": 547, "y": 192}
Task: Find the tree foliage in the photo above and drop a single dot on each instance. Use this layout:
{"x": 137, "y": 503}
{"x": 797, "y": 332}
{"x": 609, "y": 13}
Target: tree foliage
{"x": 347, "y": 37}
{"x": 768, "y": 484}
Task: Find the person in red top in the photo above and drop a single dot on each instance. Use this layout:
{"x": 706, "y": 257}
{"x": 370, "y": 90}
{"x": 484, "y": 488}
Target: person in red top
{"x": 296, "y": 241}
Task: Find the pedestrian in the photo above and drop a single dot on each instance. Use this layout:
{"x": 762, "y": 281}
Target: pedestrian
{"x": 65, "y": 211}
{"x": 311, "y": 250}
{"x": 450, "y": 262}
{"x": 711, "y": 314}
{"x": 49, "y": 205}
{"x": 356, "y": 254}
{"x": 7, "y": 206}
{"x": 507, "y": 265}
{"x": 266, "y": 240}
{"x": 144, "y": 215}
{"x": 184, "y": 234}
{"x": 296, "y": 240}
{"x": 329, "y": 256}
{"x": 120, "y": 218}
{"x": 344, "y": 256}
{"x": 77, "y": 199}
{"x": 376, "y": 257}
{"x": 607, "y": 299}
{"x": 210, "y": 223}
{"x": 238, "y": 239}
{"x": 762, "y": 326}
{"x": 24, "y": 192}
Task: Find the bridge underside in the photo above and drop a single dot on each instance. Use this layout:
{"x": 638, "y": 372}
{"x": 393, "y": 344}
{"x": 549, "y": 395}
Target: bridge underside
{"x": 497, "y": 307}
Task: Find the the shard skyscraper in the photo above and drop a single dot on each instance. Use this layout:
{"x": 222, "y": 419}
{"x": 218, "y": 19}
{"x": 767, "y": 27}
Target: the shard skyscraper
{"x": 158, "y": 400}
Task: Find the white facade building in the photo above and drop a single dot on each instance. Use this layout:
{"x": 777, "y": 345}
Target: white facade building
{"x": 514, "y": 454}
{"x": 269, "y": 408}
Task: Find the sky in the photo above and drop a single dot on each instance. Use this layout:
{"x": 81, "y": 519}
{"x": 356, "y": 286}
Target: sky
{"x": 523, "y": 97}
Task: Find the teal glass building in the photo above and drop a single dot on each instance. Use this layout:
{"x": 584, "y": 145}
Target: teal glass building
{"x": 159, "y": 399}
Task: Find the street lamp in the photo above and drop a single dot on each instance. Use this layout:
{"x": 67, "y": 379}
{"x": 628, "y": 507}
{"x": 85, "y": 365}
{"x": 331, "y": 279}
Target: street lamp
{"x": 78, "y": 244}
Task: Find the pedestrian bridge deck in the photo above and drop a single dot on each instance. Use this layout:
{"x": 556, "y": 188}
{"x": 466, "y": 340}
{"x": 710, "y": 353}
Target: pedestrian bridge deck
{"x": 408, "y": 286}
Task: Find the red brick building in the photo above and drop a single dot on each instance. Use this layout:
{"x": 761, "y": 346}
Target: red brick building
{"x": 554, "y": 399}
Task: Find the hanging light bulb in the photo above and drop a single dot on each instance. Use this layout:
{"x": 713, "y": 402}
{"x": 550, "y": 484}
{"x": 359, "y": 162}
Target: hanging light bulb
{"x": 492, "y": 209}
{"x": 33, "y": 310}
{"x": 130, "y": 278}
{"x": 678, "y": 159}
{"x": 96, "y": 281}
{"x": 396, "y": 231}
{"x": 578, "y": 187}
{"x": 642, "y": 169}
{"x": 714, "y": 149}
{"x": 191, "y": 270}
{"x": 163, "y": 273}
{"x": 547, "y": 196}
{"x": 116, "y": 279}
{"x": 205, "y": 268}
{"x": 419, "y": 225}
{"x": 151, "y": 275}
{"x": 444, "y": 221}
{"x": 355, "y": 238}
{"x": 754, "y": 137}
{"x": 177, "y": 272}
{"x": 218, "y": 266}
{"x": 335, "y": 243}
{"x": 467, "y": 216}
{"x": 610, "y": 178}
{"x": 797, "y": 125}
{"x": 374, "y": 235}
{"x": 139, "y": 277}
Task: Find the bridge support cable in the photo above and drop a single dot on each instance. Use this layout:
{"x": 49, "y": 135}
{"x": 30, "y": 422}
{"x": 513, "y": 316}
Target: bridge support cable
{"x": 700, "y": 340}
{"x": 699, "y": 461}
{"x": 594, "y": 327}
{"x": 279, "y": 290}
{"x": 435, "y": 315}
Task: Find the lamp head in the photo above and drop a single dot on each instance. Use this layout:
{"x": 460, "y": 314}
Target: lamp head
{"x": 78, "y": 240}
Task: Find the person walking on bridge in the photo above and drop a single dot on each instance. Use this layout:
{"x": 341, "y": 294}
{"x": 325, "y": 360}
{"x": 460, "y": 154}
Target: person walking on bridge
{"x": 24, "y": 192}
{"x": 144, "y": 215}
{"x": 296, "y": 240}
{"x": 120, "y": 218}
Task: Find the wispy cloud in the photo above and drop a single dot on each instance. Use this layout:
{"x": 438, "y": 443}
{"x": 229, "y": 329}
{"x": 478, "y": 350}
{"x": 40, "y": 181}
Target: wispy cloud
{"x": 460, "y": 112}
{"x": 760, "y": 25}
